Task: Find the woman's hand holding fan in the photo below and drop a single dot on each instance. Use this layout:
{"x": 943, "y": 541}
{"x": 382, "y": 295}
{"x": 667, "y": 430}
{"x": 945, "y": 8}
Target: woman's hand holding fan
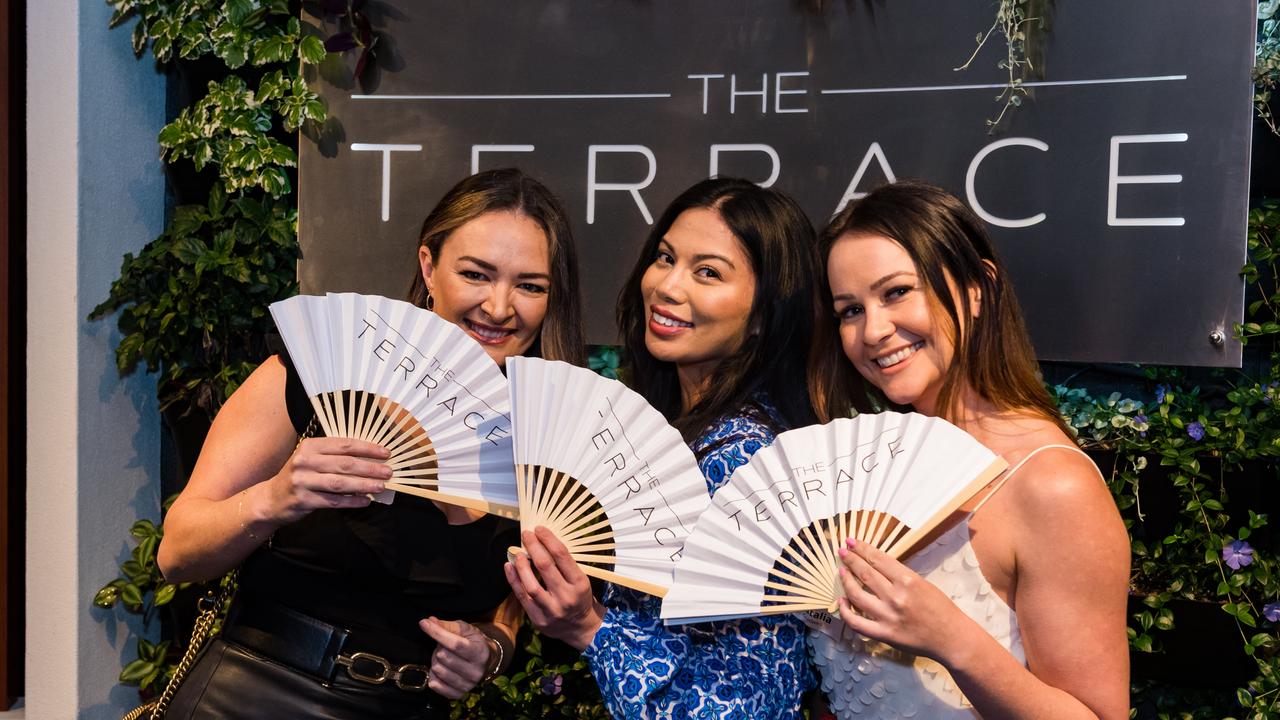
{"x": 887, "y": 601}
{"x": 325, "y": 473}
{"x": 558, "y": 599}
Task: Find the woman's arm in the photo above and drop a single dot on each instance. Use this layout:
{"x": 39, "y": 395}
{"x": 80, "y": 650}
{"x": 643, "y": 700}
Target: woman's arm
{"x": 1072, "y": 567}
{"x": 250, "y": 480}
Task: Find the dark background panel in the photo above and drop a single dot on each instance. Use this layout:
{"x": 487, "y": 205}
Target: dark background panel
{"x": 1092, "y": 292}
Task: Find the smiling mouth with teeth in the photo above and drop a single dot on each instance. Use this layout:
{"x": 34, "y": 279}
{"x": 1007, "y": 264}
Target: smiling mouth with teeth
{"x": 889, "y": 361}
{"x": 665, "y": 321}
{"x": 488, "y": 333}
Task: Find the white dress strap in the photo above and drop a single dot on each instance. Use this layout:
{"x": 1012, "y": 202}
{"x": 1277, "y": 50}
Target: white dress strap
{"x": 1009, "y": 473}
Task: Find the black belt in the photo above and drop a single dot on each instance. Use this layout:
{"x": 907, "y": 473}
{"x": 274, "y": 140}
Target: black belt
{"x": 315, "y": 647}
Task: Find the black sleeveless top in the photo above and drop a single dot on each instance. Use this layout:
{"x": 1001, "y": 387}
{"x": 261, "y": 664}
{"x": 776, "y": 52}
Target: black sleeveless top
{"x": 378, "y": 570}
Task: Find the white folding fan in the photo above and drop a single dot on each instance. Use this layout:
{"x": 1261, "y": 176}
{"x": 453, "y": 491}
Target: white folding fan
{"x": 770, "y": 541}
{"x": 400, "y": 376}
{"x": 603, "y": 470}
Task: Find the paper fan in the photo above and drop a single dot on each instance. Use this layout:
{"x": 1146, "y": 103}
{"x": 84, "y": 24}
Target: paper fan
{"x": 769, "y": 542}
{"x": 403, "y": 377}
{"x": 603, "y": 470}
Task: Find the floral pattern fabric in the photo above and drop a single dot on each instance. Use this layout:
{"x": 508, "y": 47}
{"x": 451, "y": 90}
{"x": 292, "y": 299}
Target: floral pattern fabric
{"x": 733, "y": 670}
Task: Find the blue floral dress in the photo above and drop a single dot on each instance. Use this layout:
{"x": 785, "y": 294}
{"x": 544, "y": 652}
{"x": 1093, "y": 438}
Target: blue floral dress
{"x": 739, "y": 669}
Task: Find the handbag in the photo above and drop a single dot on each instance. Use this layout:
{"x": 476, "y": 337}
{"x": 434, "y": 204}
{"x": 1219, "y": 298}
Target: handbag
{"x": 212, "y": 606}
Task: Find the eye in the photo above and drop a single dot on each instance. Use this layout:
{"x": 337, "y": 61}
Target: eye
{"x": 898, "y": 292}
{"x": 707, "y": 272}
{"x": 663, "y": 258}
{"x": 472, "y": 275}
{"x": 848, "y": 313}
{"x": 534, "y": 288}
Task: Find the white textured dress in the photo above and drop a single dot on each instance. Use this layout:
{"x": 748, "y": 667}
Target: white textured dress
{"x": 867, "y": 679}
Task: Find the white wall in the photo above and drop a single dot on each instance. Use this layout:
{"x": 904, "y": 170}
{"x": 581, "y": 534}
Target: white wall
{"x": 95, "y": 191}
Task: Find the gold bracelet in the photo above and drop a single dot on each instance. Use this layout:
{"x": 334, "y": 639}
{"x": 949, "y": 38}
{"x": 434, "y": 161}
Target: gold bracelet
{"x": 496, "y": 650}
{"x": 240, "y": 516}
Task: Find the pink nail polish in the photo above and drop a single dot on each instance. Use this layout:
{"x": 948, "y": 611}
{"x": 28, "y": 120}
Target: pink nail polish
{"x": 843, "y": 552}
{"x": 850, "y": 542}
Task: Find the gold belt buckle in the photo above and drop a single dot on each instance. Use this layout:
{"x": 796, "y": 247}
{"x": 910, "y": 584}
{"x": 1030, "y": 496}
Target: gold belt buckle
{"x": 362, "y": 666}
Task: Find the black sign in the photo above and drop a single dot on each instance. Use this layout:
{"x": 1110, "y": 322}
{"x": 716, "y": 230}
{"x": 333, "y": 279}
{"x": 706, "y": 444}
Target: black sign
{"x": 1117, "y": 192}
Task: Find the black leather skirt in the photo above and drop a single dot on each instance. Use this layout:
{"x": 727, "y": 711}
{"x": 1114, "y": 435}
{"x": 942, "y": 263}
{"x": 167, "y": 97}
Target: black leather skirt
{"x": 232, "y": 682}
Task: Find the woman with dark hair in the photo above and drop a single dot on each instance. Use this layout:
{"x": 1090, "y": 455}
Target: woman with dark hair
{"x": 347, "y": 609}
{"x": 716, "y": 318}
{"x": 1016, "y": 607}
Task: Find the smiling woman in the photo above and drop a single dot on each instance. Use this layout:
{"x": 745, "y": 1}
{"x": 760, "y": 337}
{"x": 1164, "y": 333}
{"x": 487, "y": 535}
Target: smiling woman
{"x": 716, "y": 317}
{"x": 496, "y": 256}
{"x": 354, "y": 611}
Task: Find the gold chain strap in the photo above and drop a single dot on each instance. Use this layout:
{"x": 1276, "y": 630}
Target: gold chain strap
{"x": 211, "y": 607}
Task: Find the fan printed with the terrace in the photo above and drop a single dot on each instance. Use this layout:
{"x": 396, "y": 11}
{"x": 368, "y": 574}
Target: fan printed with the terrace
{"x": 603, "y": 470}
{"x": 770, "y": 541}
{"x": 400, "y": 376}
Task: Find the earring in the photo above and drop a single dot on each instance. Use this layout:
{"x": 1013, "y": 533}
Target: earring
{"x": 431, "y": 302}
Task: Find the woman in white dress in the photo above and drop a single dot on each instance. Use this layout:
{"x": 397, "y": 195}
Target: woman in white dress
{"x": 1015, "y": 608}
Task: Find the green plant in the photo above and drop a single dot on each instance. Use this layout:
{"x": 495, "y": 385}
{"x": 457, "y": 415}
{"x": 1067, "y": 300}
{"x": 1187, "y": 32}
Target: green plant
{"x": 1190, "y": 443}
{"x": 1266, "y": 67}
{"x": 141, "y": 590}
{"x": 1022, "y": 24}
{"x": 193, "y": 302}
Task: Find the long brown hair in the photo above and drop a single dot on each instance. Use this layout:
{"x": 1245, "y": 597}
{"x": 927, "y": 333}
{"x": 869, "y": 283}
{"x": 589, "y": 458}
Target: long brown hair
{"x": 780, "y": 243}
{"x": 948, "y": 244}
{"x": 562, "y": 336}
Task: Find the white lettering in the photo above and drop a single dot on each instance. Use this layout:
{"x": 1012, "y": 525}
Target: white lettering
{"x": 972, "y": 174}
{"x": 633, "y": 188}
{"x": 386, "y": 151}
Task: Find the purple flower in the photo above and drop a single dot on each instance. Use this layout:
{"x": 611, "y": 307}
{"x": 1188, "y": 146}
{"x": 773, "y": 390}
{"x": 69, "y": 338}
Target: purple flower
{"x": 1161, "y": 391}
{"x": 1237, "y": 553}
{"x": 1196, "y": 431}
{"x": 552, "y": 684}
{"x": 1271, "y": 611}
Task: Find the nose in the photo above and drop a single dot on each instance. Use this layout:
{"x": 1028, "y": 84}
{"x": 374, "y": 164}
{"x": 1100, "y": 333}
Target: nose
{"x": 669, "y": 287}
{"x": 877, "y": 325}
{"x": 497, "y": 305}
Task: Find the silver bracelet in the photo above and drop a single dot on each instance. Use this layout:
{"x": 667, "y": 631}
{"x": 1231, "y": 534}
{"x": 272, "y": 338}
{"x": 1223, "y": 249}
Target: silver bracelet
{"x": 496, "y": 650}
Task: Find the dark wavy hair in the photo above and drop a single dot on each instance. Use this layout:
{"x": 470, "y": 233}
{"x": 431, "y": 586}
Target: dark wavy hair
{"x": 948, "y": 244}
{"x": 780, "y": 243}
{"x": 562, "y": 336}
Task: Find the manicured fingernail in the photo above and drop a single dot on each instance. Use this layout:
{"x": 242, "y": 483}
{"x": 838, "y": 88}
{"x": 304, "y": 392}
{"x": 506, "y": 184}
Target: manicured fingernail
{"x": 843, "y": 552}
{"x": 850, "y": 542}
{"x": 842, "y": 572}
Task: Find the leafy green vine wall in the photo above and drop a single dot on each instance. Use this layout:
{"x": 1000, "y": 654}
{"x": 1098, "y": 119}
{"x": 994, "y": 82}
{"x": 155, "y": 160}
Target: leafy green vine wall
{"x": 192, "y": 305}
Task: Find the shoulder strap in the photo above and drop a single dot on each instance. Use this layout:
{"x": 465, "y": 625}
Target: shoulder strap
{"x": 1010, "y": 472}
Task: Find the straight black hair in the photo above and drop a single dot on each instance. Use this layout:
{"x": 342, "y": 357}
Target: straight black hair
{"x": 780, "y": 243}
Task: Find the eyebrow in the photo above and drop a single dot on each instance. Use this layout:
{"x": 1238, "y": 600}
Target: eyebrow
{"x": 875, "y": 285}
{"x": 702, "y": 257}
{"x": 494, "y": 268}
